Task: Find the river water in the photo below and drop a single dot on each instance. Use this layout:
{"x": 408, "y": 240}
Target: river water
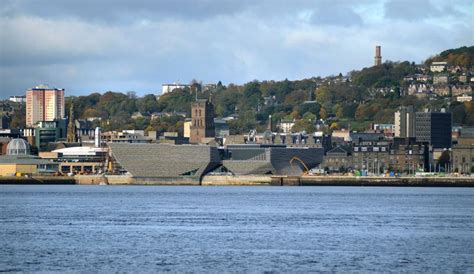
{"x": 244, "y": 229}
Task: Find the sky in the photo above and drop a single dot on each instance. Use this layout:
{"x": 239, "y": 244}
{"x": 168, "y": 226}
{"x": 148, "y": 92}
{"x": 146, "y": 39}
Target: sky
{"x": 87, "y": 46}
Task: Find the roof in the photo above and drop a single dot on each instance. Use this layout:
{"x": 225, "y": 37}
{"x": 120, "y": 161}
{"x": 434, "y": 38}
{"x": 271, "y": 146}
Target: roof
{"x": 338, "y": 150}
{"x": 163, "y": 160}
{"x": 24, "y": 160}
{"x": 364, "y": 136}
{"x": 80, "y": 150}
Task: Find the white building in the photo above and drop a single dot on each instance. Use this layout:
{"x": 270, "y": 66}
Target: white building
{"x": 438, "y": 66}
{"x": 18, "y": 99}
{"x": 464, "y": 98}
{"x": 286, "y": 125}
{"x": 166, "y": 88}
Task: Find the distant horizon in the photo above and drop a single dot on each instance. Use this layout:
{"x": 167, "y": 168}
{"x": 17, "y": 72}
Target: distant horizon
{"x": 96, "y": 46}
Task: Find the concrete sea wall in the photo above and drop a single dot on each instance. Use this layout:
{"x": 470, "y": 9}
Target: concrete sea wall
{"x": 373, "y": 181}
{"x": 246, "y": 180}
{"x": 241, "y": 180}
{"x": 36, "y": 180}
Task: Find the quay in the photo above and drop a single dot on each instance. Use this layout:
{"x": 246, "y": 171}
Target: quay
{"x": 372, "y": 181}
{"x": 37, "y": 180}
{"x": 248, "y": 180}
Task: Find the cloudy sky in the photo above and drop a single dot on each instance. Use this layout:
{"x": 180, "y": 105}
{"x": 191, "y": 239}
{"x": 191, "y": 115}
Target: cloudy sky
{"x": 122, "y": 45}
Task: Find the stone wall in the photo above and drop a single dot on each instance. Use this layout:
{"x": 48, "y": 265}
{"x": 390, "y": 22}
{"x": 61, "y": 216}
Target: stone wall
{"x": 254, "y": 180}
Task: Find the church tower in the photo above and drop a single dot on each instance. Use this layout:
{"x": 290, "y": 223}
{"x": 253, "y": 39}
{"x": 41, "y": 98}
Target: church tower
{"x": 71, "y": 128}
{"x": 202, "y": 121}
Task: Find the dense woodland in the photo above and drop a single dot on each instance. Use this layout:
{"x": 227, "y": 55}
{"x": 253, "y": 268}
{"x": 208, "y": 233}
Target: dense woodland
{"x": 353, "y": 100}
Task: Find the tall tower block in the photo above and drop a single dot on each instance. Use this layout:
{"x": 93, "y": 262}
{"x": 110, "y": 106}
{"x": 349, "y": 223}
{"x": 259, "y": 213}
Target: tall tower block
{"x": 378, "y": 56}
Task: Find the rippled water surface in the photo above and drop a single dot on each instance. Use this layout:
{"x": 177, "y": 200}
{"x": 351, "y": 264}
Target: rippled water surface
{"x": 201, "y": 229}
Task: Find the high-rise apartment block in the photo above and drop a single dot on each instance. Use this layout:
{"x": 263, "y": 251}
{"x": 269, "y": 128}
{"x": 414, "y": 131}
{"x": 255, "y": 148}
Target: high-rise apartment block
{"x": 378, "y": 56}
{"x": 434, "y": 128}
{"x": 44, "y": 104}
{"x": 405, "y": 122}
{"x": 202, "y": 121}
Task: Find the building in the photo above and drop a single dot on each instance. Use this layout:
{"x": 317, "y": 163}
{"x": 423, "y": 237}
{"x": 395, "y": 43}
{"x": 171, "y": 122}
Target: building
{"x": 187, "y": 127}
{"x": 378, "y": 56}
{"x": 260, "y": 159}
{"x": 48, "y": 132}
{"x": 438, "y": 66}
{"x": 19, "y": 165}
{"x": 286, "y": 125}
{"x": 408, "y": 156}
{"x": 463, "y": 155}
{"x": 433, "y": 128}
{"x": 405, "y": 122}
{"x": 125, "y": 136}
{"x": 164, "y": 163}
{"x": 371, "y": 155}
{"x": 44, "y": 104}
{"x": 19, "y": 162}
{"x": 342, "y": 134}
{"x": 202, "y": 121}
{"x": 4, "y": 121}
{"x": 174, "y": 138}
{"x": 18, "y": 99}
{"x": 464, "y": 98}
{"x": 440, "y": 79}
{"x": 338, "y": 159}
{"x": 79, "y": 160}
{"x": 459, "y": 90}
{"x": 166, "y": 88}
{"x": 442, "y": 90}
{"x": 222, "y": 128}
{"x": 3, "y": 145}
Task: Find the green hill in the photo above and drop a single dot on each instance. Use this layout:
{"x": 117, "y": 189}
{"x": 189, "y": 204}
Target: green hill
{"x": 463, "y": 56}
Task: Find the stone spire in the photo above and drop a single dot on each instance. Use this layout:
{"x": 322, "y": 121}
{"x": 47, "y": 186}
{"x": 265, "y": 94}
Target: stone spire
{"x": 71, "y": 128}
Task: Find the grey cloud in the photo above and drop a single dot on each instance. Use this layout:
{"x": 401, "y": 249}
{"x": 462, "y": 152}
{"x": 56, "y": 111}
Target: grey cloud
{"x": 336, "y": 15}
{"x": 93, "y": 48}
{"x": 111, "y": 11}
{"x": 420, "y": 9}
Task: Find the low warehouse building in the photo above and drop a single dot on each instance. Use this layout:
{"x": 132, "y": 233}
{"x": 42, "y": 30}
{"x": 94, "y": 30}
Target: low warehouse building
{"x": 18, "y": 165}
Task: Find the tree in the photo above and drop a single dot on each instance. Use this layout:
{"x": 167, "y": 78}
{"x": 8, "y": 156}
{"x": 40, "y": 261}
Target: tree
{"x": 323, "y": 114}
{"x": 334, "y": 126}
{"x": 360, "y": 113}
{"x": 444, "y": 159}
{"x": 339, "y": 111}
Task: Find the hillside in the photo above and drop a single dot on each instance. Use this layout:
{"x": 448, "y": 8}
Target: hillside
{"x": 463, "y": 56}
{"x": 355, "y": 100}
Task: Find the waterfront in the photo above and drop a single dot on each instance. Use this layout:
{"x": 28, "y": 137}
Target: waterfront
{"x": 133, "y": 228}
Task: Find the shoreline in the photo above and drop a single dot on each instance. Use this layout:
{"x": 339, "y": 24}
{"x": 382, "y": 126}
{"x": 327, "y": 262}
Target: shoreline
{"x": 248, "y": 180}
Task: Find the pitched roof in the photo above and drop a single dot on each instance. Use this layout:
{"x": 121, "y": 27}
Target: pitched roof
{"x": 338, "y": 150}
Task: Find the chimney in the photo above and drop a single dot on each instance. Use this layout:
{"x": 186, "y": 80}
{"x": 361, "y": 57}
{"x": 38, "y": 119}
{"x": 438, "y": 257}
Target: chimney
{"x": 378, "y": 56}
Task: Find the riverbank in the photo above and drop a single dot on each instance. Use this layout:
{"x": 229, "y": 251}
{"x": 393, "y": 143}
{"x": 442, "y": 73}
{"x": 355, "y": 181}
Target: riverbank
{"x": 37, "y": 180}
{"x": 248, "y": 180}
{"x": 373, "y": 181}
